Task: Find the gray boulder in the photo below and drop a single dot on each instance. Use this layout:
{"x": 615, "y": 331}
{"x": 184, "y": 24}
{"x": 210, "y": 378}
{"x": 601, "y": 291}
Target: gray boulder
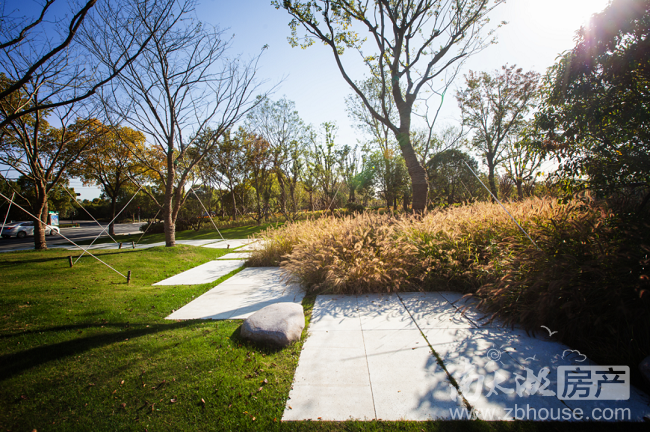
{"x": 277, "y": 324}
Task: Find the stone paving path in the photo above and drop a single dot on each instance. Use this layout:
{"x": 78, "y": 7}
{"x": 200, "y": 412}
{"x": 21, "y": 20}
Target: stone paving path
{"x": 236, "y": 255}
{"x": 241, "y": 295}
{"x": 205, "y": 273}
{"x": 233, "y": 243}
{"x": 368, "y": 357}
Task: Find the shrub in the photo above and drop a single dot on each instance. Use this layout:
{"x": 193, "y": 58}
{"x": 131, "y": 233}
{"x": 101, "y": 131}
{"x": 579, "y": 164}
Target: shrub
{"x": 353, "y": 207}
{"x": 153, "y": 227}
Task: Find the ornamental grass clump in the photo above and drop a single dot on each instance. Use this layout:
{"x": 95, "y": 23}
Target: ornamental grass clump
{"x": 455, "y": 248}
{"x": 350, "y": 254}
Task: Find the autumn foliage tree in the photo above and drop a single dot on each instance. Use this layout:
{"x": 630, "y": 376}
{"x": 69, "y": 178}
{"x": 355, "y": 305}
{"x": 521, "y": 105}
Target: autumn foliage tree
{"x": 42, "y": 153}
{"x": 112, "y": 163}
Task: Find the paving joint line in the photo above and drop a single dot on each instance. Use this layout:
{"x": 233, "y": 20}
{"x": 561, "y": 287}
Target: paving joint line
{"x": 452, "y": 380}
{"x": 365, "y": 351}
{"x": 462, "y": 312}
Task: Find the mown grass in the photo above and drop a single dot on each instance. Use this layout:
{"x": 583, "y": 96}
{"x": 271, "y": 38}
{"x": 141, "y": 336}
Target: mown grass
{"x": 81, "y": 350}
{"x": 209, "y": 233}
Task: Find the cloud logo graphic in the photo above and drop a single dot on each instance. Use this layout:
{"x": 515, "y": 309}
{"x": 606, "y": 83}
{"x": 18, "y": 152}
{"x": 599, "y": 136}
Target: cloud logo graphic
{"x": 574, "y": 355}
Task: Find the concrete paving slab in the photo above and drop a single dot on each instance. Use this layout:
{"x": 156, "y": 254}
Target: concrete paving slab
{"x": 332, "y": 380}
{"x": 432, "y": 310}
{"x": 467, "y": 307}
{"x": 383, "y": 312}
{"x": 499, "y": 370}
{"x": 241, "y": 295}
{"x": 205, "y": 273}
{"x": 335, "y": 313}
{"x": 255, "y": 245}
{"x": 407, "y": 382}
{"x": 340, "y": 360}
{"x": 241, "y": 256}
{"x": 326, "y": 403}
{"x": 492, "y": 381}
{"x": 541, "y": 351}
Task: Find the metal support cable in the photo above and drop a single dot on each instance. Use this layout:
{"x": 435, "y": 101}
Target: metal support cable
{"x": 7, "y": 215}
{"x": 206, "y": 211}
{"x": 84, "y": 209}
{"x": 109, "y": 224}
{"x": 497, "y": 200}
{"x": 51, "y": 227}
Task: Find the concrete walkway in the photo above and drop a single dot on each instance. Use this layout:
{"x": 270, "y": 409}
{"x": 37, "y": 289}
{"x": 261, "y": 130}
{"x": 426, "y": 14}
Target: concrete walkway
{"x": 229, "y": 243}
{"x": 205, "y": 273}
{"x": 370, "y": 357}
{"x": 235, "y": 255}
{"x": 241, "y": 295}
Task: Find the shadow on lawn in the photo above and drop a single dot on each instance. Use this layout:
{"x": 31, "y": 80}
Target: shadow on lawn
{"x": 12, "y": 364}
{"x": 75, "y": 254}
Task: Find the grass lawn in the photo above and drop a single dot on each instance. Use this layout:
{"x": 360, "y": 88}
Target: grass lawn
{"x": 242, "y": 232}
{"x": 80, "y": 350}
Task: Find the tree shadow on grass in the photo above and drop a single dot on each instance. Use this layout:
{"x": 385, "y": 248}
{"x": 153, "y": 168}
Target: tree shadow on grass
{"x": 75, "y": 254}
{"x": 13, "y": 364}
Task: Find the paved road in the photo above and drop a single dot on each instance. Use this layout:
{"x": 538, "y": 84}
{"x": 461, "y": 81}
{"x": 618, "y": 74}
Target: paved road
{"x": 86, "y": 231}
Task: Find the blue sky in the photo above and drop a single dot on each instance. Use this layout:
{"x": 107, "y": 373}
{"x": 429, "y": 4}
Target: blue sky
{"x": 536, "y": 33}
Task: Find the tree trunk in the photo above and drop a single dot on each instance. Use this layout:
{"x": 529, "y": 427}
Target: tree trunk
{"x": 41, "y": 213}
{"x": 520, "y": 189}
{"x": 311, "y": 200}
{"x": 283, "y": 193}
{"x": 351, "y": 197}
{"x": 259, "y": 206}
{"x": 111, "y": 227}
{"x": 234, "y": 203}
{"x": 491, "y": 182}
{"x": 417, "y": 173}
{"x": 170, "y": 226}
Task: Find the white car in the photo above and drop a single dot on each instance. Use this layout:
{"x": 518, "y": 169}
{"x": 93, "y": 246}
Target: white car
{"x": 24, "y": 229}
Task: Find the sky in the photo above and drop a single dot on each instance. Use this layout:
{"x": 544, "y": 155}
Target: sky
{"x": 537, "y": 32}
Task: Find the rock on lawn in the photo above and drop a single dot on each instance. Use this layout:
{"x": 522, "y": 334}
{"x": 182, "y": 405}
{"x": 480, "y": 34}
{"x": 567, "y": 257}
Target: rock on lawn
{"x": 277, "y": 324}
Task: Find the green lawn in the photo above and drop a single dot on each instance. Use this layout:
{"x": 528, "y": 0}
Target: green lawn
{"x": 81, "y": 350}
{"x": 242, "y": 232}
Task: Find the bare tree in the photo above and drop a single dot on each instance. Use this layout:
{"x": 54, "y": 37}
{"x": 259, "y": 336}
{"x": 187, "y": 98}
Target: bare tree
{"x": 493, "y": 105}
{"x": 63, "y": 61}
{"x": 281, "y": 126}
{"x": 414, "y": 43}
{"x": 183, "y": 83}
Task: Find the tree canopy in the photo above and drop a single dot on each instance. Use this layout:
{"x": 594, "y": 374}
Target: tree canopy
{"x": 596, "y": 114}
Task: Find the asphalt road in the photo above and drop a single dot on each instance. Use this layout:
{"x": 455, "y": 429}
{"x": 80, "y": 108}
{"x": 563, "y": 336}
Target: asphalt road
{"x": 86, "y": 231}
